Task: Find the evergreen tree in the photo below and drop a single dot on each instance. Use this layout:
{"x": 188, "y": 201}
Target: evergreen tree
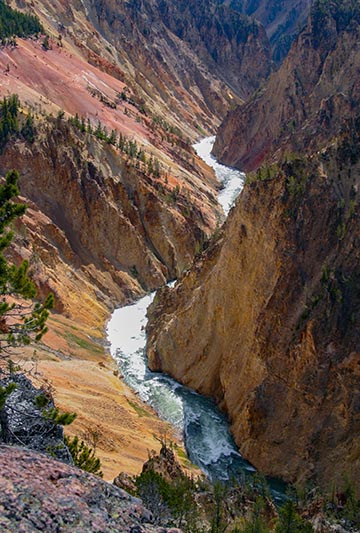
{"x": 20, "y": 322}
{"x": 290, "y": 521}
{"x": 83, "y": 456}
{"x": 9, "y": 109}
{"x": 13, "y": 22}
{"x": 28, "y": 130}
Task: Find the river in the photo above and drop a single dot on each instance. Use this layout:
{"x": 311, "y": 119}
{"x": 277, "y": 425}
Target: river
{"x": 204, "y": 428}
{"x": 232, "y": 180}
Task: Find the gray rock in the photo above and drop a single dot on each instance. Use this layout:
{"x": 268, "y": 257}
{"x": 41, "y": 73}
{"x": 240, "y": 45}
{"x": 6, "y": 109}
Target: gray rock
{"x": 38, "y": 493}
{"x": 27, "y": 425}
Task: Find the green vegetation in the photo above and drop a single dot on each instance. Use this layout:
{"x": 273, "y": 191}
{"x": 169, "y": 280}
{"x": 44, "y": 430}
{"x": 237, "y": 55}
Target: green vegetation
{"x": 46, "y": 43}
{"x": 63, "y": 419}
{"x": 28, "y": 129}
{"x": 166, "y": 126}
{"x": 198, "y": 506}
{"x": 290, "y": 521}
{"x": 170, "y": 502}
{"x": 21, "y": 320}
{"x": 83, "y": 456}
{"x": 9, "y": 110}
{"x": 129, "y": 147}
{"x": 16, "y": 24}
{"x": 9, "y": 121}
{"x": 297, "y": 174}
{"x": 265, "y": 172}
{"x": 138, "y": 409}
{"x": 84, "y": 343}
{"x": 28, "y": 320}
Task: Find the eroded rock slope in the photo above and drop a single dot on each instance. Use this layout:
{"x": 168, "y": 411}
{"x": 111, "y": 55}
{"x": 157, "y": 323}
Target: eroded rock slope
{"x": 99, "y": 227}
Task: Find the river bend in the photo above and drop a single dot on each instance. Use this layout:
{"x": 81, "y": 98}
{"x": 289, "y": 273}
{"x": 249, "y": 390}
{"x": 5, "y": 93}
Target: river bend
{"x": 203, "y": 427}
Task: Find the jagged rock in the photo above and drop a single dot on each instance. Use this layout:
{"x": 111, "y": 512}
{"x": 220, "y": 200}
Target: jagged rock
{"x": 116, "y": 235}
{"x": 125, "y": 482}
{"x": 188, "y": 62}
{"x": 281, "y": 19}
{"x": 266, "y": 320}
{"x": 189, "y": 45}
{"x": 27, "y": 425}
{"x": 41, "y": 494}
{"x": 165, "y": 464}
{"x": 306, "y": 100}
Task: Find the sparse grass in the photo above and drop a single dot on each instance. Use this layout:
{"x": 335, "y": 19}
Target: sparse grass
{"x": 139, "y": 410}
{"x": 83, "y": 343}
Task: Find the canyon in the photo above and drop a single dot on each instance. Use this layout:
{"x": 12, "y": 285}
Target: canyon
{"x": 104, "y": 225}
{"x": 282, "y": 20}
{"x": 264, "y": 317}
{"x": 265, "y": 320}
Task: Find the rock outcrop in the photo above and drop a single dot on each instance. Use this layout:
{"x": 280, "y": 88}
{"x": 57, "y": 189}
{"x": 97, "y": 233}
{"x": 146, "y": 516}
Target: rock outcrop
{"x": 266, "y": 321}
{"x": 191, "y": 46}
{"x": 41, "y": 494}
{"x": 306, "y": 101}
{"x": 164, "y": 464}
{"x": 24, "y": 422}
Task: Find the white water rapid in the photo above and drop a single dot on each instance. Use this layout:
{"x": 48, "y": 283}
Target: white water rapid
{"x": 197, "y": 419}
{"x": 231, "y": 179}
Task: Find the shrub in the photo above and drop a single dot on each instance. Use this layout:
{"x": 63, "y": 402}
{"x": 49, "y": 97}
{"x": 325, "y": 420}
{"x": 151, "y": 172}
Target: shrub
{"x": 83, "y": 456}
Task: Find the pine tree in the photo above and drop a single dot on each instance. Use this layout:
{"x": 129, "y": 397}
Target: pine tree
{"x": 290, "y": 521}
{"x": 20, "y": 322}
{"x": 28, "y": 130}
{"x": 83, "y": 456}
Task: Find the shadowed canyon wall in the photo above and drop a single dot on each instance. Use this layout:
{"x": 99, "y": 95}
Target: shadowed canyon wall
{"x": 306, "y": 101}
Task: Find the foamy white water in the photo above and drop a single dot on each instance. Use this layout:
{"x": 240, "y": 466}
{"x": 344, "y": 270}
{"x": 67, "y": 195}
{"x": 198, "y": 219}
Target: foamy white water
{"x": 197, "y": 419}
{"x": 233, "y": 180}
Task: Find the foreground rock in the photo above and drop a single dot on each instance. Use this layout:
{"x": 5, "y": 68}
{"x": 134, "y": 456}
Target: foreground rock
{"x": 41, "y": 494}
{"x": 24, "y": 423}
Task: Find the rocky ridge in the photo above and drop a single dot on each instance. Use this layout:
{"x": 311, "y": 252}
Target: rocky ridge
{"x": 307, "y": 100}
{"x": 191, "y": 45}
{"x": 266, "y": 322}
{"x": 120, "y": 230}
{"x": 281, "y": 19}
{"x": 188, "y": 76}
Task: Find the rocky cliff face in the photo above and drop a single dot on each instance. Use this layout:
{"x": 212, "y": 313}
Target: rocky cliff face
{"x": 307, "y": 100}
{"x": 186, "y": 62}
{"x": 192, "y": 44}
{"x": 105, "y": 222}
{"x": 281, "y": 19}
{"x": 266, "y": 320}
